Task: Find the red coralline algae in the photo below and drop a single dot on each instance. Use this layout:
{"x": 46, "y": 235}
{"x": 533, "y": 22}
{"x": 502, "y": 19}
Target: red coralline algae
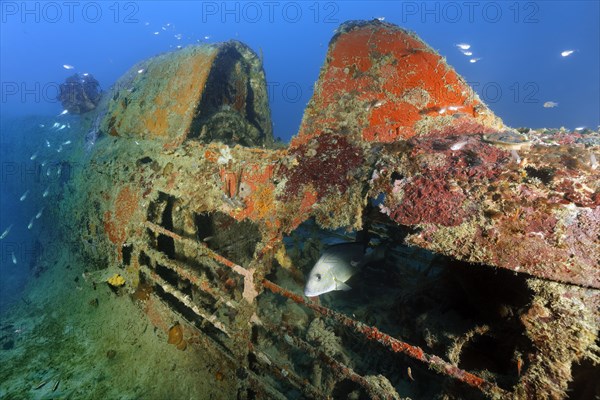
{"x": 538, "y": 239}
{"x": 538, "y": 221}
{"x": 575, "y": 193}
{"x": 581, "y": 241}
{"x": 528, "y": 253}
{"x": 426, "y": 200}
{"x": 566, "y": 138}
{"x": 325, "y": 164}
{"x": 475, "y": 160}
{"x": 430, "y": 197}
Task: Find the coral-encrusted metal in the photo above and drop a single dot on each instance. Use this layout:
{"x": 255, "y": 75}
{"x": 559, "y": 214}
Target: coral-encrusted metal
{"x": 392, "y": 135}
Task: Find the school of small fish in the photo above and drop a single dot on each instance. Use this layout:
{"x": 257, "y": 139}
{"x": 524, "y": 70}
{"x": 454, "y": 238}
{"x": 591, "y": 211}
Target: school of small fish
{"x": 465, "y": 48}
{"x": 49, "y": 165}
{"x": 168, "y": 29}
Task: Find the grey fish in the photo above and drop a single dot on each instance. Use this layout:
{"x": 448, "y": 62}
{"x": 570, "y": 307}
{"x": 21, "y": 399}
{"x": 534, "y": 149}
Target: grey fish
{"x": 336, "y": 265}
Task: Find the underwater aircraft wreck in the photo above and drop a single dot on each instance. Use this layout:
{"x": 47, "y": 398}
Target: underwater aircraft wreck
{"x": 490, "y": 287}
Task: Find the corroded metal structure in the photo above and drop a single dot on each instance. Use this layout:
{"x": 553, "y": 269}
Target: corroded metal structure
{"x": 189, "y": 197}
{"x": 200, "y": 92}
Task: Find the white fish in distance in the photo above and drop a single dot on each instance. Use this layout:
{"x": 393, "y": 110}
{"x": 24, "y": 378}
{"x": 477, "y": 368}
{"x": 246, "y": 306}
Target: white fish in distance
{"x": 336, "y": 265}
{"x": 550, "y": 104}
{"x": 31, "y": 223}
{"x": 463, "y": 46}
{"x": 24, "y": 196}
{"x": 63, "y": 112}
{"x": 6, "y": 232}
{"x": 67, "y": 66}
{"x": 567, "y": 53}
{"x": 47, "y": 143}
{"x": 33, "y": 156}
{"x": 46, "y": 192}
{"x": 458, "y": 145}
{"x": 39, "y": 214}
{"x": 14, "y": 258}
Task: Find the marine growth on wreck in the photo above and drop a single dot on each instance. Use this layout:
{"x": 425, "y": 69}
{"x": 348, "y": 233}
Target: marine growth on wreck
{"x": 487, "y": 284}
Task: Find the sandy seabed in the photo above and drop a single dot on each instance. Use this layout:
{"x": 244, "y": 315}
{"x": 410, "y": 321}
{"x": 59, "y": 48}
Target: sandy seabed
{"x": 69, "y": 338}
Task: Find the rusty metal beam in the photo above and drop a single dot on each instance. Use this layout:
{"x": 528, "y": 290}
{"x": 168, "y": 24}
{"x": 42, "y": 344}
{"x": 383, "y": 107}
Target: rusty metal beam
{"x": 249, "y": 293}
{"x": 288, "y": 374}
{"x": 371, "y": 333}
{"x": 184, "y": 299}
{"x": 342, "y": 370}
{"x": 397, "y": 346}
{"x": 185, "y": 272}
{"x": 257, "y": 383}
